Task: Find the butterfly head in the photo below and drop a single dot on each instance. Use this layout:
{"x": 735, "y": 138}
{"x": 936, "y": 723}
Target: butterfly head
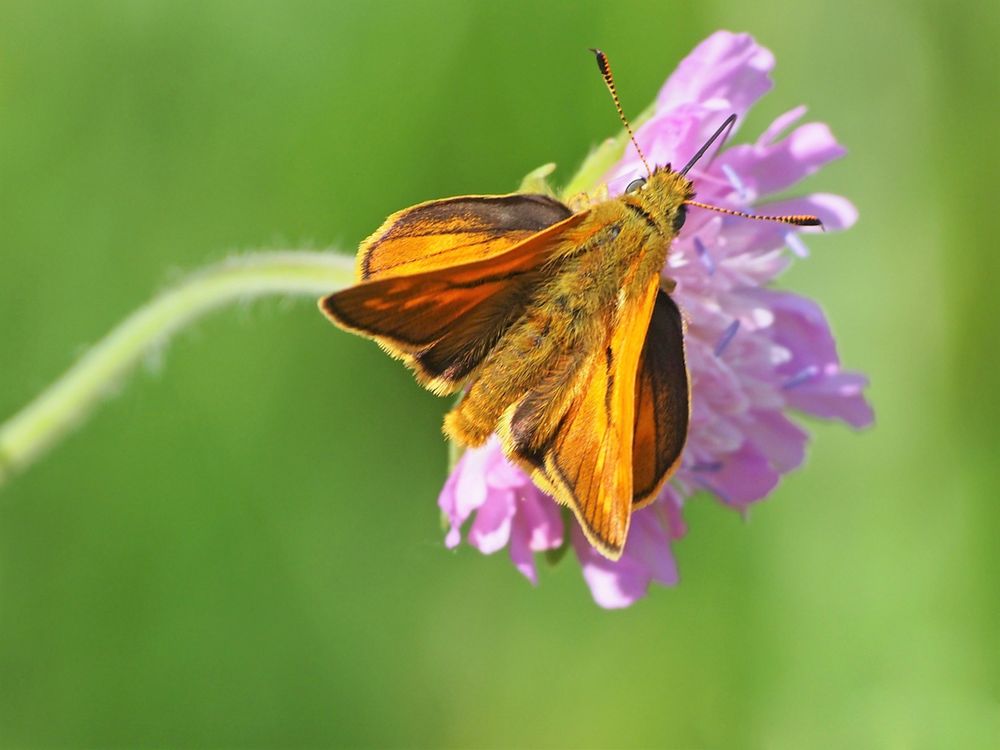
{"x": 662, "y": 195}
{"x": 665, "y": 193}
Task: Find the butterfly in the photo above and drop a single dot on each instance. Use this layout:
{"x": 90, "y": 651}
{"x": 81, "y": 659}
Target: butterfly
{"x": 557, "y": 327}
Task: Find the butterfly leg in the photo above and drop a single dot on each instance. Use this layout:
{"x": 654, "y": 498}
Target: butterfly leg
{"x": 667, "y": 284}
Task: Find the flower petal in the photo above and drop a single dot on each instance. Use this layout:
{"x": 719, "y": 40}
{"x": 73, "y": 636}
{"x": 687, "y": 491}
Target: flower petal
{"x": 463, "y": 492}
{"x": 780, "y": 124}
{"x": 836, "y": 394}
{"x": 813, "y": 380}
{"x": 799, "y": 326}
{"x": 447, "y": 501}
{"x": 767, "y": 168}
{"x": 521, "y": 553}
{"x": 537, "y": 527}
{"x": 782, "y": 441}
{"x": 727, "y": 66}
{"x": 491, "y": 528}
{"x": 541, "y": 518}
{"x": 471, "y": 488}
{"x": 743, "y": 477}
{"x": 646, "y": 559}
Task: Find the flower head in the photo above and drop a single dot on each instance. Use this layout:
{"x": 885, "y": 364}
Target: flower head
{"x": 754, "y": 353}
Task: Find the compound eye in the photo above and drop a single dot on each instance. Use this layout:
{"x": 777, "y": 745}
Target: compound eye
{"x": 679, "y": 217}
{"x": 635, "y": 185}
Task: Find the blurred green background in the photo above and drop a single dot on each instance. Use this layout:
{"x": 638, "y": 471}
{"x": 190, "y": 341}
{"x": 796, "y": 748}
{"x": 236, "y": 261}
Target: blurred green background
{"x": 242, "y": 548}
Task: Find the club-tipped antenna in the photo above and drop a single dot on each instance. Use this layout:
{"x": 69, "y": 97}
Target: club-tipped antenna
{"x": 724, "y": 127}
{"x": 605, "y": 68}
{"x": 799, "y": 220}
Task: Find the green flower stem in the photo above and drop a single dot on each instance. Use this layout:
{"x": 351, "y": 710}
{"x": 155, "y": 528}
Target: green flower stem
{"x": 26, "y": 436}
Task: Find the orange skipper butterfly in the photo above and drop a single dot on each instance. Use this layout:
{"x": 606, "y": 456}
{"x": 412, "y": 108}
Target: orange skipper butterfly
{"x": 557, "y": 326}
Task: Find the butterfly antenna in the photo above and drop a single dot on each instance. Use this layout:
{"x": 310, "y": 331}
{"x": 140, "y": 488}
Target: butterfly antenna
{"x": 799, "y": 220}
{"x": 723, "y": 128}
{"x": 605, "y": 68}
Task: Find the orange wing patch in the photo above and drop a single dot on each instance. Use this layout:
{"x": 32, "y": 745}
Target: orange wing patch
{"x": 587, "y": 463}
{"x": 454, "y": 231}
{"x": 662, "y": 403}
{"x": 443, "y": 322}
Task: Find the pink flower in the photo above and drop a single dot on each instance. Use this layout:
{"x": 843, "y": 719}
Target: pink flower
{"x": 509, "y": 509}
{"x": 754, "y": 353}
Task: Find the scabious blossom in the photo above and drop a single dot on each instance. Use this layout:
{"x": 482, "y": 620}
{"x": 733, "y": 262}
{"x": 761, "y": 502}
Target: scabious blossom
{"x": 754, "y": 353}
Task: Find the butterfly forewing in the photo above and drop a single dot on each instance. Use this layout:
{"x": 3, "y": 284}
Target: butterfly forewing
{"x": 443, "y": 321}
{"x": 587, "y": 463}
{"x": 454, "y": 231}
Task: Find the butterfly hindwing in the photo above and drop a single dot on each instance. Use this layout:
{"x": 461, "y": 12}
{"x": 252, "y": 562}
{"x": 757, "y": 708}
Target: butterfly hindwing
{"x": 662, "y": 403}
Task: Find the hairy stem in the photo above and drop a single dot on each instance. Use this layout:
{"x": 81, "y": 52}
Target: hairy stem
{"x": 26, "y": 436}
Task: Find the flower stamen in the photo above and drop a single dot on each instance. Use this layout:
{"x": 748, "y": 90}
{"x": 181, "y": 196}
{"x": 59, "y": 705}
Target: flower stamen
{"x": 803, "y": 376}
{"x": 796, "y": 245}
{"x": 721, "y": 494}
{"x": 734, "y": 179}
{"x": 726, "y": 337}
{"x": 704, "y": 256}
